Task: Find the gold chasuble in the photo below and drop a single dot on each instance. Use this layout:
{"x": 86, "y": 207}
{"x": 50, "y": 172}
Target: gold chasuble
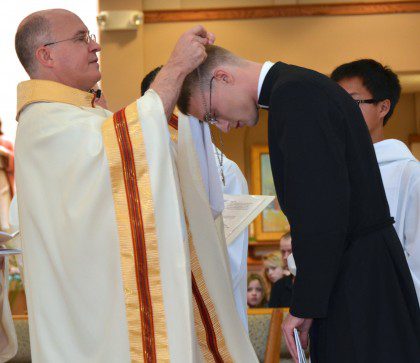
{"x": 112, "y": 272}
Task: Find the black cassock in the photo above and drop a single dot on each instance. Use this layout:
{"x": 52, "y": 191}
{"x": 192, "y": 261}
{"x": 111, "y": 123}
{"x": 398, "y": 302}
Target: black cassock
{"x": 352, "y": 275}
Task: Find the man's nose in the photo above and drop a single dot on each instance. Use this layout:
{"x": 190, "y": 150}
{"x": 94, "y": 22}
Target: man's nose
{"x": 94, "y": 46}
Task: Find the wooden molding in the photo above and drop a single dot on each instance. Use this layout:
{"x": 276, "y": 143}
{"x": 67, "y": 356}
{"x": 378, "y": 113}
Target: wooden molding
{"x": 261, "y": 12}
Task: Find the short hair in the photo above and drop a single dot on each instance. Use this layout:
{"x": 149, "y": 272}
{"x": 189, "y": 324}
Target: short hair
{"x": 260, "y": 279}
{"x": 216, "y": 56}
{"x": 31, "y": 33}
{"x": 148, "y": 79}
{"x": 379, "y": 80}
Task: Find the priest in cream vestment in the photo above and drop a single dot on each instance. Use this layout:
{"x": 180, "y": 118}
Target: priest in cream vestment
{"x": 114, "y": 269}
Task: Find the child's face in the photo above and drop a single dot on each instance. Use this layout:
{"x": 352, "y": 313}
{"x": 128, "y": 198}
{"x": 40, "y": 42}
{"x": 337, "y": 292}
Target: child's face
{"x": 274, "y": 273}
{"x": 254, "y": 293}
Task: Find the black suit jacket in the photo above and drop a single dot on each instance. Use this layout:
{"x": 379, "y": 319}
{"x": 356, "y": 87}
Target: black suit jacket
{"x": 326, "y": 176}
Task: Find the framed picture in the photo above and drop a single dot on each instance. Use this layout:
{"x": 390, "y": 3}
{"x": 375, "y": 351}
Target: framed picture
{"x": 271, "y": 224}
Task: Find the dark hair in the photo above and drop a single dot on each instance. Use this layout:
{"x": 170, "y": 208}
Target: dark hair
{"x": 148, "y": 79}
{"x": 28, "y": 38}
{"x": 379, "y": 80}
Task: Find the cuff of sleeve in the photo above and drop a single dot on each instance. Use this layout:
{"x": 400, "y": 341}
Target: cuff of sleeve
{"x": 309, "y": 303}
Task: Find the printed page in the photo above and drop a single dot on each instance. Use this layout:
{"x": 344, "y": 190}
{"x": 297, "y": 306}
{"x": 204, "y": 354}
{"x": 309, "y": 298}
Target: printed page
{"x": 240, "y": 211}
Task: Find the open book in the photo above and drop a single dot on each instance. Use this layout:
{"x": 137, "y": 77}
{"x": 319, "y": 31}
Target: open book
{"x": 240, "y": 211}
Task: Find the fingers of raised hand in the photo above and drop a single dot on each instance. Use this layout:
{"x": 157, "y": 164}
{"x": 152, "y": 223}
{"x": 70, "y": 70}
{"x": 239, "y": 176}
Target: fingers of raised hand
{"x": 198, "y": 30}
{"x": 198, "y": 53}
{"x": 201, "y": 40}
{"x": 211, "y": 37}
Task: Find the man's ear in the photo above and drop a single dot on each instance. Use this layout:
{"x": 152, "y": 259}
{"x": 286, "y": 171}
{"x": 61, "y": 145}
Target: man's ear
{"x": 385, "y": 106}
{"x": 224, "y": 76}
{"x": 43, "y": 56}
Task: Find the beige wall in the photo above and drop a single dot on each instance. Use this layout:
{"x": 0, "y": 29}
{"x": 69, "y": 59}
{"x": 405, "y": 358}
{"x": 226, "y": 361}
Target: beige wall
{"x": 320, "y": 43}
{"x": 121, "y": 58}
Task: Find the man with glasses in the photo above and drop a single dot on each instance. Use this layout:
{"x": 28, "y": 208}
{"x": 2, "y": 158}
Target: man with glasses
{"x": 377, "y": 90}
{"x": 112, "y": 274}
{"x": 353, "y": 290}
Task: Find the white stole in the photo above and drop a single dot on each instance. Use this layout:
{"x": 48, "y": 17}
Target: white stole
{"x": 210, "y": 244}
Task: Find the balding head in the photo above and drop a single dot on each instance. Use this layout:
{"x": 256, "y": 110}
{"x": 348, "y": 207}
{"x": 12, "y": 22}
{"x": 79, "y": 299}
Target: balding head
{"x": 55, "y": 45}
{"x": 32, "y": 32}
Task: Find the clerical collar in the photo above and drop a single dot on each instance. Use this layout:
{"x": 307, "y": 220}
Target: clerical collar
{"x": 268, "y": 83}
{"x": 264, "y": 70}
{"x": 37, "y": 90}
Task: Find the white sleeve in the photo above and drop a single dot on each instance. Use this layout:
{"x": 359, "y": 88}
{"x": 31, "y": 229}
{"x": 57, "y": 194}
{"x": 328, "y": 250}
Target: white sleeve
{"x": 412, "y": 233}
{"x": 235, "y": 184}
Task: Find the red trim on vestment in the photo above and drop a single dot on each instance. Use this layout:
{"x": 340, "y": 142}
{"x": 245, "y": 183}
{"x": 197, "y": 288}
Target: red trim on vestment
{"x": 206, "y": 320}
{"x": 137, "y": 232}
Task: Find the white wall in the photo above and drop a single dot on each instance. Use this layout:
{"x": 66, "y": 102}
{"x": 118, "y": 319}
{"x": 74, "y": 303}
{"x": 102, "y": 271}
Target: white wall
{"x": 11, "y": 72}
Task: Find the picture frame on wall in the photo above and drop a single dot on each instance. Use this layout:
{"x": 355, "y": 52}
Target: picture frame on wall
{"x": 271, "y": 224}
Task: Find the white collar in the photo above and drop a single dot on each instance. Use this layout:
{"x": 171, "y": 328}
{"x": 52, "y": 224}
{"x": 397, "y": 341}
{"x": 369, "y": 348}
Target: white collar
{"x": 392, "y": 150}
{"x": 264, "y": 70}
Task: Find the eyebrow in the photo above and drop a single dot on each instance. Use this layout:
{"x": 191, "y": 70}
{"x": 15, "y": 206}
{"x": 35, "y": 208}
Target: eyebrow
{"x": 81, "y": 32}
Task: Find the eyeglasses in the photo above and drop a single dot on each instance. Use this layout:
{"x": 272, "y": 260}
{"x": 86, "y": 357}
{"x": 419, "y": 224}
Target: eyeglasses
{"x": 86, "y": 37}
{"x": 369, "y": 101}
{"x": 208, "y": 116}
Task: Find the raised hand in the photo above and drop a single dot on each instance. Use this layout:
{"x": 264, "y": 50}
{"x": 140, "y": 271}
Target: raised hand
{"x": 188, "y": 54}
{"x": 189, "y": 51}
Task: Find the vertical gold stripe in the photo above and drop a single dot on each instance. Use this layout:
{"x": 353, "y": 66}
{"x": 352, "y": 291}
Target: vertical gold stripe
{"x": 128, "y": 268}
{"x": 138, "y": 237}
{"x": 202, "y": 327}
{"x": 128, "y": 263}
{"x": 147, "y": 207}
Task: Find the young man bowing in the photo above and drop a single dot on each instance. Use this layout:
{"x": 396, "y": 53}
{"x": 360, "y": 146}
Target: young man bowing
{"x": 352, "y": 275}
